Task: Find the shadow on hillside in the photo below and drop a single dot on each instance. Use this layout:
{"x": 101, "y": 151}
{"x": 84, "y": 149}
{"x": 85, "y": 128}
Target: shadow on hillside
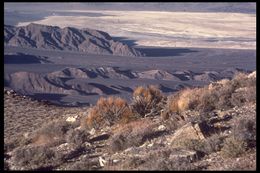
{"x": 125, "y": 40}
{"x": 163, "y": 51}
{"x": 48, "y": 96}
{"x": 24, "y": 59}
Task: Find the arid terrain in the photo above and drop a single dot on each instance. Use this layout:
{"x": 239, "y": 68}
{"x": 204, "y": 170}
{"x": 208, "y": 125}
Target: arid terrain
{"x": 180, "y": 132}
{"x": 91, "y": 86}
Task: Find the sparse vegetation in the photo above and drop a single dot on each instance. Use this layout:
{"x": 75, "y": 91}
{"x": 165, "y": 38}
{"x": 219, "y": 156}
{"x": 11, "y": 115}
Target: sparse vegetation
{"x": 52, "y": 133}
{"x": 37, "y": 158}
{"x": 221, "y": 95}
{"x": 245, "y": 131}
{"x": 77, "y": 136}
{"x": 233, "y": 147}
{"x": 131, "y": 134}
{"x": 128, "y": 127}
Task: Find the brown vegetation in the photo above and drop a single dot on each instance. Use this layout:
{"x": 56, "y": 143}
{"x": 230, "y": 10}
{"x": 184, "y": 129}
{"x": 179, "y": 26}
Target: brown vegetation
{"x": 131, "y": 134}
{"x": 147, "y": 101}
{"x": 221, "y": 95}
{"x": 107, "y": 112}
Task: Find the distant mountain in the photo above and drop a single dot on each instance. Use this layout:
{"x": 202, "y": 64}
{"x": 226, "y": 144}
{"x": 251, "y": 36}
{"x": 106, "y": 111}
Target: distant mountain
{"x": 68, "y": 38}
{"x": 234, "y": 7}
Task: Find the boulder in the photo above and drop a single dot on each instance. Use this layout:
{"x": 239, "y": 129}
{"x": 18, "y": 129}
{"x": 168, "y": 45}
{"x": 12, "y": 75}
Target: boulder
{"x": 188, "y": 132}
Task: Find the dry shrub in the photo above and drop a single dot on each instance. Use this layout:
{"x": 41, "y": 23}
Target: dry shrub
{"x": 243, "y": 95}
{"x": 108, "y": 111}
{"x": 77, "y": 136}
{"x": 207, "y": 101}
{"x": 212, "y": 144}
{"x": 223, "y": 95}
{"x": 241, "y": 80}
{"x": 52, "y": 134}
{"x": 37, "y": 158}
{"x": 147, "y": 101}
{"x": 245, "y": 130}
{"x": 233, "y": 147}
{"x": 161, "y": 160}
{"x": 187, "y": 99}
{"x": 131, "y": 134}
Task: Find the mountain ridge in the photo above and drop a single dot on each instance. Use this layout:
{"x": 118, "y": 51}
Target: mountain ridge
{"x": 68, "y": 38}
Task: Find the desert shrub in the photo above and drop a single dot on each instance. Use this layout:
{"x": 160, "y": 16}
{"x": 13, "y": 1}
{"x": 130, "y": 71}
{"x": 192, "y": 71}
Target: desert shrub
{"x": 224, "y": 95}
{"x": 77, "y": 136}
{"x": 243, "y": 95}
{"x": 52, "y": 133}
{"x": 36, "y": 158}
{"x": 241, "y": 80}
{"x": 245, "y": 130}
{"x": 17, "y": 142}
{"x": 162, "y": 160}
{"x": 147, "y": 101}
{"x": 177, "y": 164}
{"x": 219, "y": 95}
{"x": 107, "y": 112}
{"x": 212, "y": 144}
{"x": 83, "y": 164}
{"x": 233, "y": 147}
{"x": 193, "y": 144}
{"x": 183, "y": 100}
{"x": 207, "y": 101}
{"x": 132, "y": 134}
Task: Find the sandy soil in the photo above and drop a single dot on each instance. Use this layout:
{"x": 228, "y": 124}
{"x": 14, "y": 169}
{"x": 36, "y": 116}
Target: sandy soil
{"x": 168, "y": 29}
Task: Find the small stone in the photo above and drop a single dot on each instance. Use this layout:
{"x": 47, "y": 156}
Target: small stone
{"x": 115, "y": 161}
{"x": 102, "y": 161}
{"x": 161, "y": 128}
{"x": 71, "y": 119}
{"x": 26, "y": 135}
{"x": 92, "y": 131}
{"x": 150, "y": 145}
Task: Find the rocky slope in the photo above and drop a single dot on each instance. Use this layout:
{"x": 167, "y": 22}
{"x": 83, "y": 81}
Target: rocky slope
{"x": 68, "y": 38}
{"x": 189, "y": 140}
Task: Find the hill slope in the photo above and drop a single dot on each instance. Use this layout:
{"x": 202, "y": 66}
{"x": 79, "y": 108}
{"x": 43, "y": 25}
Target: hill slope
{"x": 68, "y": 38}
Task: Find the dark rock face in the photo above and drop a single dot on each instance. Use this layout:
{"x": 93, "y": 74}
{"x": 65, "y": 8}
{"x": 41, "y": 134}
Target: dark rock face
{"x": 68, "y": 38}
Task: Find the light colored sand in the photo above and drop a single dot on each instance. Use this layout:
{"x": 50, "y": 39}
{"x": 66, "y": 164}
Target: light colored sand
{"x": 169, "y": 29}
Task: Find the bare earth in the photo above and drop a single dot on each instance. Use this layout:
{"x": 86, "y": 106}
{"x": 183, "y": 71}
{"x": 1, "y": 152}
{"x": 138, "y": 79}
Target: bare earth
{"x": 175, "y": 29}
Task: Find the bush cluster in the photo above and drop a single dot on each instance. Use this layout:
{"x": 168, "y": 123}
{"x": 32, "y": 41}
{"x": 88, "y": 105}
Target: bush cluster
{"x": 107, "y": 112}
{"x": 147, "y": 101}
{"x": 222, "y": 95}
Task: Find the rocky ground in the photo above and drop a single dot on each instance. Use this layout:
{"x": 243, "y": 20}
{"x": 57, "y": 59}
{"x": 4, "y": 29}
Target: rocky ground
{"x": 39, "y": 136}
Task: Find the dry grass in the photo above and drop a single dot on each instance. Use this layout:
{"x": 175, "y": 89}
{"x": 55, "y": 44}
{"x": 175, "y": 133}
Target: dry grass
{"x": 25, "y": 116}
{"x": 52, "y": 133}
{"x": 131, "y": 134}
{"x": 221, "y": 95}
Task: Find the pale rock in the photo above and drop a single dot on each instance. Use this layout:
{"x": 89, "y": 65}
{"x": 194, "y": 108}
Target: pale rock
{"x": 188, "y": 132}
{"x": 183, "y": 153}
{"x": 252, "y": 75}
{"x": 115, "y": 161}
{"x": 150, "y": 145}
{"x": 161, "y": 128}
{"x": 102, "y": 161}
{"x": 71, "y": 119}
{"x": 92, "y": 131}
{"x": 26, "y": 135}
